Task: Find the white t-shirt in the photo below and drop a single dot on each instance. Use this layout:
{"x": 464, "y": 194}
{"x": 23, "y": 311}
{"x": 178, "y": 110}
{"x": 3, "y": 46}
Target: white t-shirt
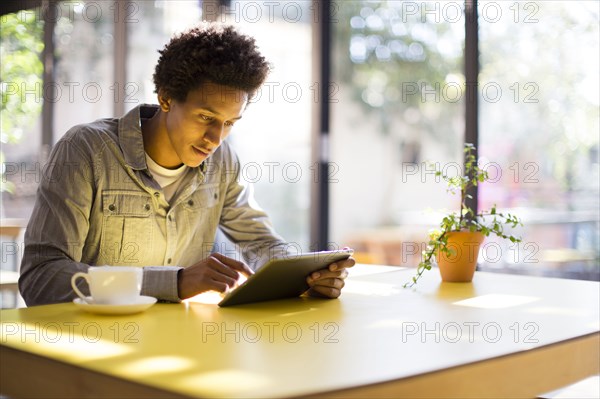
{"x": 169, "y": 179}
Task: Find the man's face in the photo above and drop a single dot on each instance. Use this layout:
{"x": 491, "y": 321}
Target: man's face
{"x": 197, "y": 126}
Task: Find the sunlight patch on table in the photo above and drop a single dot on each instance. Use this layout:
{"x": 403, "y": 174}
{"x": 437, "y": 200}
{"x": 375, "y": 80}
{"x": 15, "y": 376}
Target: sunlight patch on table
{"x": 225, "y": 382}
{"x": 155, "y": 365}
{"x": 370, "y": 288}
{"x": 62, "y": 341}
{"x": 371, "y": 269}
{"x": 496, "y": 301}
{"x": 214, "y": 297}
{"x": 209, "y": 298}
{"x": 289, "y": 314}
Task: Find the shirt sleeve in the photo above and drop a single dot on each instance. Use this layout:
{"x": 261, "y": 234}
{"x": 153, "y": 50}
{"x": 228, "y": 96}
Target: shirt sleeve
{"x": 57, "y": 228}
{"x": 161, "y": 282}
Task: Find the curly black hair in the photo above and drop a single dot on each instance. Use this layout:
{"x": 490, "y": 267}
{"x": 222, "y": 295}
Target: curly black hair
{"x": 213, "y": 53}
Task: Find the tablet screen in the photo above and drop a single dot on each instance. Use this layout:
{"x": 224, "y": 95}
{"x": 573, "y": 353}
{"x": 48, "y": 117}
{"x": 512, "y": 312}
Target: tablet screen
{"x": 283, "y": 277}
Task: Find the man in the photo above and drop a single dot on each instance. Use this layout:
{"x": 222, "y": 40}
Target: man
{"x": 152, "y": 188}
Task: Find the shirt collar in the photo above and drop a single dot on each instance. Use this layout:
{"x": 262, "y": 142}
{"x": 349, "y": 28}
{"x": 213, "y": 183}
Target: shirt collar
{"x": 130, "y": 135}
{"x": 131, "y": 140}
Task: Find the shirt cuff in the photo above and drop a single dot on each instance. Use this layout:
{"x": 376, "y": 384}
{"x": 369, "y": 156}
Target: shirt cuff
{"x": 161, "y": 282}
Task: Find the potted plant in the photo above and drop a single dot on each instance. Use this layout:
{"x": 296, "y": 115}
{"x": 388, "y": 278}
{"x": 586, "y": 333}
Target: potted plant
{"x": 455, "y": 245}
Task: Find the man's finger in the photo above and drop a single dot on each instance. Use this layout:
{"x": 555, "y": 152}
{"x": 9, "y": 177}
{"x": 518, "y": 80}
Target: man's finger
{"x": 234, "y": 264}
{"x": 218, "y": 286}
{"x": 327, "y": 292}
{"x": 329, "y": 282}
{"x": 216, "y": 275}
{"x": 324, "y": 273}
{"x": 215, "y": 264}
{"x": 342, "y": 264}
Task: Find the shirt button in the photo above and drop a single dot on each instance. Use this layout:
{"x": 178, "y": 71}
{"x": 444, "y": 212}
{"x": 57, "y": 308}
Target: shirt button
{"x": 147, "y": 207}
{"x": 216, "y": 196}
{"x": 112, "y": 207}
{"x": 169, "y": 261}
{"x": 191, "y": 203}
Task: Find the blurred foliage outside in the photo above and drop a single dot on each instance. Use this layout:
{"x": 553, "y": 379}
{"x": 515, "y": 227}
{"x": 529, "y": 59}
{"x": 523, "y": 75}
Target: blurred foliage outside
{"x": 395, "y": 60}
{"x": 21, "y": 72}
{"x": 542, "y": 131}
{"x": 548, "y": 111}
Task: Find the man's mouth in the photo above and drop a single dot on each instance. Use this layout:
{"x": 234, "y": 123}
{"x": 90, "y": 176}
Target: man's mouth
{"x": 201, "y": 151}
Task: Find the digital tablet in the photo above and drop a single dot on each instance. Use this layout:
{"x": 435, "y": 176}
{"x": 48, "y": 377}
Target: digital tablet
{"x": 282, "y": 277}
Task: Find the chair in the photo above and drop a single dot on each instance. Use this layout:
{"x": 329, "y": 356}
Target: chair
{"x": 12, "y": 229}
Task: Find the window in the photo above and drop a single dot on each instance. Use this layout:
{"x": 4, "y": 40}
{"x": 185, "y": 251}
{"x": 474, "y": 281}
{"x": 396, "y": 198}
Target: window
{"x": 21, "y": 72}
{"x": 397, "y": 73}
{"x": 150, "y": 25}
{"x": 539, "y": 132}
{"x": 84, "y": 51}
{"x": 400, "y": 100}
{"x": 86, "y": 88}
{"x": 82, "y": 88}
{"x": 397, "y": 101}
{"x": 273, "y": 138}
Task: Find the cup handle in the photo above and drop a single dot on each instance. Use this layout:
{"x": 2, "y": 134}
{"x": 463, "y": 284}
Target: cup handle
{"x": 74, "y": 285}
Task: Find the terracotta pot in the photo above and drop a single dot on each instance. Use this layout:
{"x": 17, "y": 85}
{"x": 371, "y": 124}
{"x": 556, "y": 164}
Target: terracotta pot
{"x": 460, "y": 266}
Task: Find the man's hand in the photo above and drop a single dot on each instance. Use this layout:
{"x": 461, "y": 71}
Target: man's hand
{"x": 329, "y": 282}
{"x": 217, "y": 273}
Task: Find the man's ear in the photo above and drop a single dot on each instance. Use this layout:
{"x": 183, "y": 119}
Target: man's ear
{"x": 164, "y": 101}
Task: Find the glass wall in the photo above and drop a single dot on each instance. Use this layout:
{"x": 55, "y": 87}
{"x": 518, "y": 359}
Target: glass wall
{"x": 21, "y": 73}
{"x": 84, "y": 50}
{"x": 83, "y": 87}
{"x": 398, "y": 105}
{"x": 539, "y": 115}
{"x": 273, "y": 138}
{"x": 22, "y": 91}
{"x": 150, "y": 25}
{"x": 398, "y": 98}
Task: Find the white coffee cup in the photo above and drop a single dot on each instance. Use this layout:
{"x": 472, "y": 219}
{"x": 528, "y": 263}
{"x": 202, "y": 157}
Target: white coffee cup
{"x": 110, "y": 285}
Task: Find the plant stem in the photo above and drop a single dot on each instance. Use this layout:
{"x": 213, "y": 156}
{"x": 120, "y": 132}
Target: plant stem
{"x": 426, "y": 260}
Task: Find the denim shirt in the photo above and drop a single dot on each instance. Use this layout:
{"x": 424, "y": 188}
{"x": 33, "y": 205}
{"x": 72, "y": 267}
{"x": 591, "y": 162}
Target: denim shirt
{"x": 97, "y": 204}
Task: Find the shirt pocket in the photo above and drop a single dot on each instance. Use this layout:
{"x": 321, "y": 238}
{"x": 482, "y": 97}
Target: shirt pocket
{"x": 127, "y": 228}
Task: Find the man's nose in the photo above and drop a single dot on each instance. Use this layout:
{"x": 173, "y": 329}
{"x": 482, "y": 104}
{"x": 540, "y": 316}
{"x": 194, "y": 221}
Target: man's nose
{"x": 213, "y": 134}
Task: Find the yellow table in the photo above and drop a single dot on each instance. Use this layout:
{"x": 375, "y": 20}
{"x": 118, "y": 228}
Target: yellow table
{"x": 501, "y": 336}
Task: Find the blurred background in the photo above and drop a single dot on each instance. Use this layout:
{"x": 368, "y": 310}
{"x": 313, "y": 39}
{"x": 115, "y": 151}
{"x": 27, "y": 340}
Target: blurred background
{"x": 397, "y": 99}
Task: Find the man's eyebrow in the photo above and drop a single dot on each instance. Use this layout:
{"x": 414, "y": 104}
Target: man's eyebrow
{"x": 218, "y": 114}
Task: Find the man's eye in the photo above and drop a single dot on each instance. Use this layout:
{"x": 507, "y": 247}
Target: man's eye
{"x": 206, "y": 117}
{"x": 229, "y": 123}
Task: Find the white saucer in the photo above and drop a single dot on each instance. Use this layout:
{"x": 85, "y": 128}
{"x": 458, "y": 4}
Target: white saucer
{"x": 143, "y": 303}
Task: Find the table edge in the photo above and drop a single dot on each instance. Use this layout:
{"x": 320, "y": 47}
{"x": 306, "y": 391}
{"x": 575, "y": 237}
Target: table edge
{"x": 449, "y": 383}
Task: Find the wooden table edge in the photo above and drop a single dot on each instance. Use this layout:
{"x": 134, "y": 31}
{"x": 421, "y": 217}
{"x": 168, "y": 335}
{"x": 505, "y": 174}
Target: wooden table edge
{"x": 27, "y": 375}
{"x": 523, "y": 374}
